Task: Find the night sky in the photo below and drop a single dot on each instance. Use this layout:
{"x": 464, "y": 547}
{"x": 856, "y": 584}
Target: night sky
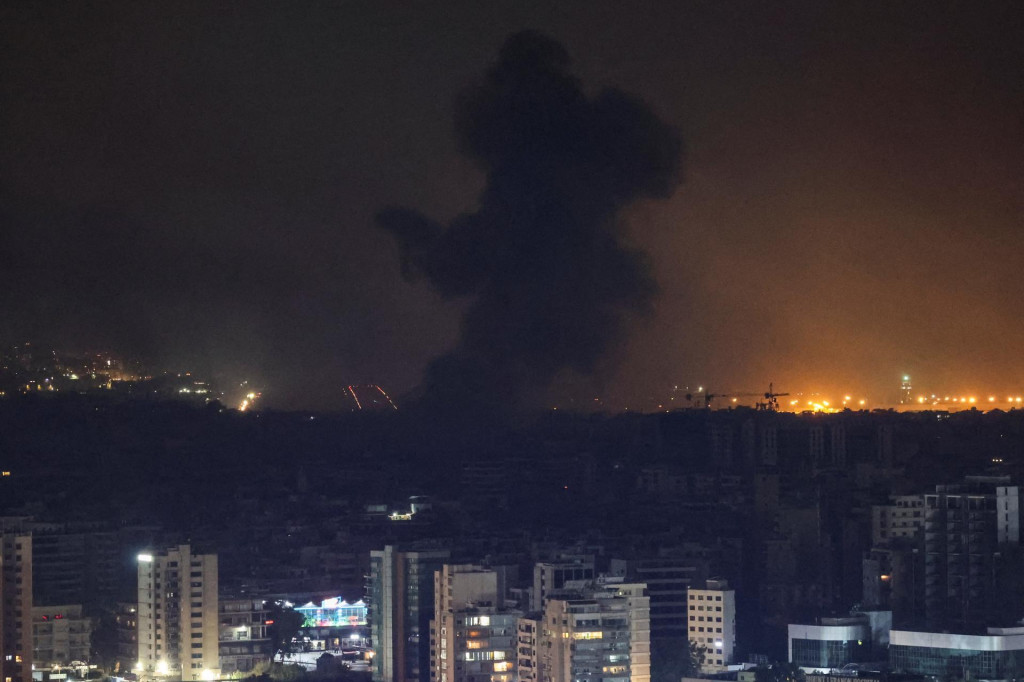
{"x": 199, "y": 184}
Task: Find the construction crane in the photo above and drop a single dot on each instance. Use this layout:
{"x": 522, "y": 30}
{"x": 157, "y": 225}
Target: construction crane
{"x": 708, "y": 397}
{"x": 771, "y": 400}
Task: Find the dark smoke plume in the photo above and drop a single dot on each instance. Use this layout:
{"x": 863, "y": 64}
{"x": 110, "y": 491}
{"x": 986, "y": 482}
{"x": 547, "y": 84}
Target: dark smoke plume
{"x": 551, "y": 281}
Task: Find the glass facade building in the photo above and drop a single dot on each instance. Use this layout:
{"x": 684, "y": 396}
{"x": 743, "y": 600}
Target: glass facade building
{"x": 401, "y": 605}
{"x": 999, "y": 655}
{"x": 827, "y": 654}
{"x": 830, "y": 645}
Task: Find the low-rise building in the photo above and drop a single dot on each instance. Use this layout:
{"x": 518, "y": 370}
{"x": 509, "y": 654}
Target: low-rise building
{"x": 60, "y": 635}
{"x": 996, "y": 655}
{"x": 243, "y": 641}
{"x": 831, "y": 644}
{"x": 334, "y": 624}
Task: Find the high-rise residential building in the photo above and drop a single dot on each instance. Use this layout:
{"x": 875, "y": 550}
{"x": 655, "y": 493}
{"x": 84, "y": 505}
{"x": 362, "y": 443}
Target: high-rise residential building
{"x": 601, "y": 634}
{"x": 473, "y": 635}
{"x": 74, "y": 564}
{"x": 964, "y": 527}
{"x": 712, "y": 624}
{"x": 243, "y": 635}
{"x": 60, "y": 635}
{"x": 178, "y": 616}
{"x": 401, "y": 606}
{"x": 550, "y": 577}
{"x": 667, "y": 578}
{"x": 16, "y": 606}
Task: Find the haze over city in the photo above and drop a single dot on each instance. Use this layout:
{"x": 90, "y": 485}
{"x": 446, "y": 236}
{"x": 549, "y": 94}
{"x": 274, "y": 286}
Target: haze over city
{"x": 512, "y": 341}
{"x": 197, "y": 185}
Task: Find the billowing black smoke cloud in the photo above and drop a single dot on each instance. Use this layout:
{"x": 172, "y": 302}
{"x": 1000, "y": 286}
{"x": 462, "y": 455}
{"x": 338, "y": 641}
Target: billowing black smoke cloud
{"x": 551, "y": 281}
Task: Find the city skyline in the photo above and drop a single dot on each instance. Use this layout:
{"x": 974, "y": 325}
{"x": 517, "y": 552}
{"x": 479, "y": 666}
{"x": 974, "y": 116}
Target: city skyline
{"x": 198, "y": 187}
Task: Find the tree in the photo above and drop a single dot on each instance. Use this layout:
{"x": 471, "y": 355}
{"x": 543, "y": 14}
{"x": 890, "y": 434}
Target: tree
{"x": 278, "y": 672}
{"x": 284, "y": 623}
{"x": 673, "y": 659}
{"x": 779, "y": 672}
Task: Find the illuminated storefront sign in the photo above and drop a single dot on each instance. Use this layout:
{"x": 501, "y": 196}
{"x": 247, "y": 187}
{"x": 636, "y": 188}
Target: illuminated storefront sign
{"x": 335, "y": 612}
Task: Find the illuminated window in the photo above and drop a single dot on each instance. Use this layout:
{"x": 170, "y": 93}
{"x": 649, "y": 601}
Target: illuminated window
{"x": 476, "y": 644}
{"x": 588, "y": 635}
{"x": 502, "y": 666}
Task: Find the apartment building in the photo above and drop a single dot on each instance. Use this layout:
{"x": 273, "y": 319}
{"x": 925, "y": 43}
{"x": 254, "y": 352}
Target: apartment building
{"x": 601, "y": 634}
{"x": 60, "y": 635}
{"x": 712, "y": 624}
{"x": 473, "y": 635}
{"x": 178, "y": 614}
{"x": 243, "y": 635}
{"x": 16, "y": 605}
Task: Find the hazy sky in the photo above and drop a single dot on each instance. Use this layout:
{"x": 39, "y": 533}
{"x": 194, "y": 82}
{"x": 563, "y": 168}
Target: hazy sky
{"x": 197, "y": 183}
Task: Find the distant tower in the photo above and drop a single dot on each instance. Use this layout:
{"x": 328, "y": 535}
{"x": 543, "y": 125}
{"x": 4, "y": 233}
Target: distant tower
{"x": 905, "y": 390}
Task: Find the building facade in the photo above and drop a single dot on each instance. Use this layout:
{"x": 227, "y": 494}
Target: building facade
{"x": 243, "y": 641}
{"x": 901, "y": 518}
{"x": 667, "y": 578}
{"x": 126, "y": 625}
{"x": 550, "y": 577}
{"x": 965, "y": 525}
{"x": 60, "y": 635}
{"x": 16, "y": 606}
{"x": 528, "y": 631}
{"x": 712, "y": 623}
{"x": 831, "y": 644}
{"x": 602, "y": 635}
{"x": 178, "y": 615}
{"x": 75, "y": 565}
{"x": 996, "y": 655}
{"x": 473, "y": 635}
{"x": 401, "y": 606}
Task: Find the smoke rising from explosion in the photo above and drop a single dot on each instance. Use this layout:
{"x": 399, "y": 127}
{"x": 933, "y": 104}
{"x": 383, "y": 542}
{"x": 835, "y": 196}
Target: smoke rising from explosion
{"x": 552, "y": 283}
